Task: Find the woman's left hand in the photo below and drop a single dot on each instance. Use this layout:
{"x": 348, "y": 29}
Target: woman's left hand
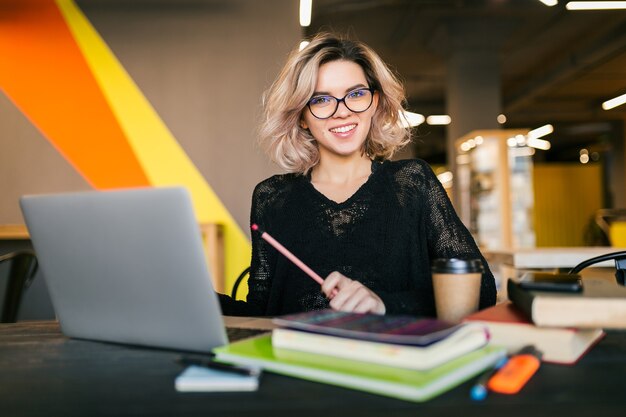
{"x": 351, "y": 295}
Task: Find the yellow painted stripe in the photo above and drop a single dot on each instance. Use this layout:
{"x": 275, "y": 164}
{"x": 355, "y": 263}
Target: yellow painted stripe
{"x": 163, "y": 159}
{"x": 64, "y": 101}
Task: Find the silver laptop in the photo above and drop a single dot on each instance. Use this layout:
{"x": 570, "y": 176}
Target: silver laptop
{"x": 126, "y": 266}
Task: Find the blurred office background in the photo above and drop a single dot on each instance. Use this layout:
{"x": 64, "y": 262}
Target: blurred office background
{"x": 514, "y": 66}
{"x": 498, "y": 69}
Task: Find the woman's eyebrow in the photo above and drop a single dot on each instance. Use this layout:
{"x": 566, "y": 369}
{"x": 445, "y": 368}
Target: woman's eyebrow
{"x": 326, "y": 93}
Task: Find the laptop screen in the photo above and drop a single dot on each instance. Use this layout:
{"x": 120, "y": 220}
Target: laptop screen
{"x": 126, "y": 266}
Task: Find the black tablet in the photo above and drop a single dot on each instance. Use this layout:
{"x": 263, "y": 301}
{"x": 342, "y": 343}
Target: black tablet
{"x": 545, "y": 281}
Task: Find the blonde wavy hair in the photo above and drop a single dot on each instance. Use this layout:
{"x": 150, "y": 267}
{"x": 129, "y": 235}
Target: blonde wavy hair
{"x": 292, "y": 147}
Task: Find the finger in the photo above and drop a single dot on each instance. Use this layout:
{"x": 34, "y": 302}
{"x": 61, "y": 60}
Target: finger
{"x": 363, "y": 300}
{"x": 357, "y": 295}
{"x": 339, "y": 299}
{"x": 333, "y": 281}
{"x": 330, "y": 282}
{"x": 367, "y": 305}
{"x": 349, "y": 296}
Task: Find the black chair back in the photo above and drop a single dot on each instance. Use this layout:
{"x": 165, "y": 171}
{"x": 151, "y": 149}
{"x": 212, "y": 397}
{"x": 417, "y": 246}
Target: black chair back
{"x": 22, "y": 268}
{"x": 240, "y": 278}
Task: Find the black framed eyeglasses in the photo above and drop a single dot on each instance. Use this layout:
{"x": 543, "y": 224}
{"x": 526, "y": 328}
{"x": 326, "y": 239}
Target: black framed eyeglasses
{"x": 357, "y": 101}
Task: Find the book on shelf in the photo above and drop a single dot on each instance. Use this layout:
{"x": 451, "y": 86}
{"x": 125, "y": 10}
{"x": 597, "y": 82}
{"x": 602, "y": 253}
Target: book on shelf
{"x": 510, "y": 328}
{"x": 379, "y": 379}
{"x": 398, "y": 329}
{"x": 465, "y": 339}
{"x": 201, "y": 379}
{"x": 601, "y": 304}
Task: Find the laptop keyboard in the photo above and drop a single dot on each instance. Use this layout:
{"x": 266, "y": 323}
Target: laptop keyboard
{"x": 239, "y": 333}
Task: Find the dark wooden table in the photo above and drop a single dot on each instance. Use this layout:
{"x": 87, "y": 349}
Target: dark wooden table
{"x": 43, "y": 373}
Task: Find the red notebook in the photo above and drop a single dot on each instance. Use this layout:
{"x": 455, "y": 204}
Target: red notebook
{"x": 510, "y": 328}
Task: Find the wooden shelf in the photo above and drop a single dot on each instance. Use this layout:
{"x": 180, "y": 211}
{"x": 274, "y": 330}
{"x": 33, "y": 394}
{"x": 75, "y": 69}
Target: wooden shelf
{"x": 213, "y": 237}
{"x": 13, "y": 232}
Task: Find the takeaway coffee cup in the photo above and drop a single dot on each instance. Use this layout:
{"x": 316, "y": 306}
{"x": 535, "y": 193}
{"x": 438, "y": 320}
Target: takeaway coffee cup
{"x": 456, "y": 283}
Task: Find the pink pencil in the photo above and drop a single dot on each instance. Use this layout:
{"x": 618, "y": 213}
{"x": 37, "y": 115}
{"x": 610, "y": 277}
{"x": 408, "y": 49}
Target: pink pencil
{"x": 293, "y": 258}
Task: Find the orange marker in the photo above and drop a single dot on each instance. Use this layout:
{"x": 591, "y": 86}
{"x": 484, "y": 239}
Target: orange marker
{"x": 516, "y": 372}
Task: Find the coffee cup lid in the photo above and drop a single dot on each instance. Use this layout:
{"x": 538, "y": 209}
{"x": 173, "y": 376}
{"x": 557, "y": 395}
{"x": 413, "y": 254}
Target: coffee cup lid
{"x": 457, "y": 266}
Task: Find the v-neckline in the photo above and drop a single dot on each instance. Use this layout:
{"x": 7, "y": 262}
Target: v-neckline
{"x": 354, "y": 195}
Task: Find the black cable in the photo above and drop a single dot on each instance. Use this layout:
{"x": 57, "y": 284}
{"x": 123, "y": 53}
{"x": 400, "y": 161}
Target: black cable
{"x": 609, "y": 256}
{"x": 241, "y": 276}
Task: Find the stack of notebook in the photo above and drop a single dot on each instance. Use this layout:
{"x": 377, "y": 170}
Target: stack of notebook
{"x": 562, "y": 320}
{"x": 600, "y": 304}
{"x": 399, "y": 356}
{"x": 509, "y": 327}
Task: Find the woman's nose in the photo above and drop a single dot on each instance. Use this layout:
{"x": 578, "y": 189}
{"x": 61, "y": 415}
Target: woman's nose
{"x": 342, "y": 110}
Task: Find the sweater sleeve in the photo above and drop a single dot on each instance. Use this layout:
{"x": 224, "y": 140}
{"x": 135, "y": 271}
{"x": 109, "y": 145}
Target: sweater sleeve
{"x": 449, "y": 238}
{"x": 446, "y": 237}
{"x": 259, "y": 281}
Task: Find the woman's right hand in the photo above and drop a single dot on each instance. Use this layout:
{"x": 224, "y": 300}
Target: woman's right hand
{"x": 350, "y": 295}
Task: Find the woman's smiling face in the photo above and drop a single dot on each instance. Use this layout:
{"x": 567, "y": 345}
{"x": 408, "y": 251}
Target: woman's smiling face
{"x": 342, "y": 134}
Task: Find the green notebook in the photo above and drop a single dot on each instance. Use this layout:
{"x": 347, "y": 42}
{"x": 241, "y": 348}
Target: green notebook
{"x": 394, "y": 382}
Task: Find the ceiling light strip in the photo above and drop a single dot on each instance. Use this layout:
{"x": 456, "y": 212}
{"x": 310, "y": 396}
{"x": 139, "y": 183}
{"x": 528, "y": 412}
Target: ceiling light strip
{"x": 595, "y": 5}
{"x": 441, "y": 119}
{"x": 541, "y": 131}
{"x": 410, "y": 119}
{"x": 614, "y": 102}
{"x": 306, "y": 7}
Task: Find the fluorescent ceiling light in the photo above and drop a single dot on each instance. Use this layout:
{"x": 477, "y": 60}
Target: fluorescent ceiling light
{"x": 540, "y": 132}
{"x": 595, "y": 5}
{"x": 511, "y": 142}
{"x": 445, "y": 177}
{"x": 303, "y": 44}
{"x": 614, "y": 102}
{"x": 441, "y": 119}
{"x": 550, "y": 2}
{"x": 306, "y": 6}
{"x": 410, "y": 119}
{"x": 538, "y": 143}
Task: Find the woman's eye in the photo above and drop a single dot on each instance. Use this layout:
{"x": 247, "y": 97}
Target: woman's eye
{"x": 316, "y": 101}
{"x": 356, "y": 94}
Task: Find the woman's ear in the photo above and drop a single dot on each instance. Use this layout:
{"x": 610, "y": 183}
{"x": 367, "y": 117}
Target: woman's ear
{"x": 375, "y": 100}
{"x": 303, "y": 124}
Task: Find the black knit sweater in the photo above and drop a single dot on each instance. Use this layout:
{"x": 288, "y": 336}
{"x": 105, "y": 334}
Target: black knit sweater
{"x": 385, "y": 236}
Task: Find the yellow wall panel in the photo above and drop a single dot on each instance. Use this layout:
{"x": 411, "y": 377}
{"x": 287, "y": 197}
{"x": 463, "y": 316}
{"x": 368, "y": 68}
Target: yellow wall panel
{"x": 566, "y": 199}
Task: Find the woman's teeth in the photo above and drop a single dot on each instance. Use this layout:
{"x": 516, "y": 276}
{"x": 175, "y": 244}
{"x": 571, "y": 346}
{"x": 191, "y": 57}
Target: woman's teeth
{"x": 343, "y": 129}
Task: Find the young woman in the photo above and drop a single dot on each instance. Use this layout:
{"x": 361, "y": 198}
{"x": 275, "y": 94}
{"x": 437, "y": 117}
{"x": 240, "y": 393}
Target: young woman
{"x": 371, "y": 226}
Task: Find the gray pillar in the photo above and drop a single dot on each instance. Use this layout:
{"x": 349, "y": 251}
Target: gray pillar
{"x": 473, "y": 92}
{"x": 473, "y": 96}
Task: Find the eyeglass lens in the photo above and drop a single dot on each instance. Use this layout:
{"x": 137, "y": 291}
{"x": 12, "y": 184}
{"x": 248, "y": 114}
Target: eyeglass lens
{"x": 356, "y": 101}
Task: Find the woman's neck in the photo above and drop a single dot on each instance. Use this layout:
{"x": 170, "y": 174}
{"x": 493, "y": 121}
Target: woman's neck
{"x": 341, "y": 171}
{"x": 339, "y": 180}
